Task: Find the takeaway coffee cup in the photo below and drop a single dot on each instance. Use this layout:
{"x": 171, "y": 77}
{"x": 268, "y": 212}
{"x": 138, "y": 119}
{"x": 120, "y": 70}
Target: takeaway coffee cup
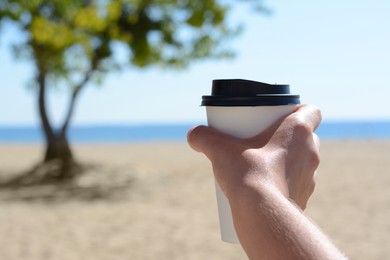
{"x": 244, "y": 108}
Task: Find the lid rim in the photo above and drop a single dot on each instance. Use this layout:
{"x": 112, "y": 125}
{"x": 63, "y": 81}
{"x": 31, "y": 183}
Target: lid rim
{"x": 239, "y": 92}
{"x": 250, "y": 102}
{"x": 258, "y": 96}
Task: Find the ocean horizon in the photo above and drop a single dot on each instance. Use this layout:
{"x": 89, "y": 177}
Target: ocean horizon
{"x": 328, "y": 130}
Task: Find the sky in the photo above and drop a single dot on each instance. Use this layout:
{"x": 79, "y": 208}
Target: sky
{"x": 335, "y": 54}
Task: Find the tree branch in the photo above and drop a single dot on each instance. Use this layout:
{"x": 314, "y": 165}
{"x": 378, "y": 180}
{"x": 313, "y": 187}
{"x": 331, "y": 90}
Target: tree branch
{"x": 100, "y": 54}
{"x": 41, "y": 78}
{"x": 76, "y": 92}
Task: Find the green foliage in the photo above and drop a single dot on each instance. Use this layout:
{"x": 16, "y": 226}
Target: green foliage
{"x": 71, "y": 38}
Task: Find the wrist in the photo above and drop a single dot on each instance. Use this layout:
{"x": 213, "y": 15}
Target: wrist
{"x": 252, "y": 193}
{"x": 255, "y": 187}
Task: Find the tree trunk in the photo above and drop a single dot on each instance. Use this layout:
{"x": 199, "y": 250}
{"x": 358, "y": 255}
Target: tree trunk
{"x": 57, "y": 145}
{"x": 58, "y": 148}
{"x": 59, "y": 155}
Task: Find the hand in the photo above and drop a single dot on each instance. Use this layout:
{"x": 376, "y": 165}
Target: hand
{"x": 261, "y": 177}
{"x": 283, "y": 157}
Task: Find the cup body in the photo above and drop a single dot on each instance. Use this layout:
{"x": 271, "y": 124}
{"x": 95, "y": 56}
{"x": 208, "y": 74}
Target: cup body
{"x": 241, "y": 122}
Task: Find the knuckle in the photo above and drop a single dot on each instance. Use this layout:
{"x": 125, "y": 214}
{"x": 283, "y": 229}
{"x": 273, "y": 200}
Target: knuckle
{"x": 317, "y": 112}
{"x": 314, "y": 111}
{"x": 301, "y": 128}
{"x": 315, "y": 158}
{"x": 312, "y": 186}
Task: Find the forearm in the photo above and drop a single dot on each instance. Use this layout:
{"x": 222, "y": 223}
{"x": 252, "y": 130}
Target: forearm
{"x": 269, "y": 226}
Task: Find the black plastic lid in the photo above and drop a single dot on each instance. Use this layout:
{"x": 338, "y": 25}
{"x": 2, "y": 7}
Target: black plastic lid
{"x": 240, "y": 92}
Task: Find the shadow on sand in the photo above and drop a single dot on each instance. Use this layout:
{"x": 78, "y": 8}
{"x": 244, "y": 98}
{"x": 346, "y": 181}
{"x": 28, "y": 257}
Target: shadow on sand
{"x": 88, "y": 183}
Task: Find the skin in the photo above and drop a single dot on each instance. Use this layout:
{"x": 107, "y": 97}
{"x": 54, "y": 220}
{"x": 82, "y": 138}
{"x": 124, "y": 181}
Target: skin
{"x": 268, "y": 180}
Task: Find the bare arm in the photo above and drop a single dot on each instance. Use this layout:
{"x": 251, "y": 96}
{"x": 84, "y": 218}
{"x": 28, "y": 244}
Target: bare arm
{"x": 269, "y": 226}
{"x": 268, "y": 181}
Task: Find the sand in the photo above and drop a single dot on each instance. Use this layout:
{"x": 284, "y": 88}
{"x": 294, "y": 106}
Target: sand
{"x": 157, "y": 201}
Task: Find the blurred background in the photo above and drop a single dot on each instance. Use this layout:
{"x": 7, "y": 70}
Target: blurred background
{"x": 110, "y": 176}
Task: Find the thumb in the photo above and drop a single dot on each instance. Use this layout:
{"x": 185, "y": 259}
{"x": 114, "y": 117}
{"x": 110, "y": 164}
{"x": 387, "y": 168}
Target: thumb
{"x": 209, "y": 141}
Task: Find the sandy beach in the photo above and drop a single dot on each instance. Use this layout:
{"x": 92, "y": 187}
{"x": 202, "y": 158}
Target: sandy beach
{"x": 157, "y": 201}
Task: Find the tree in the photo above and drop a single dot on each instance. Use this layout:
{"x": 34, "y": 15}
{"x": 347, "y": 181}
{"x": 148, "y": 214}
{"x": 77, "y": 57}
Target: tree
{"x": 71, "y": 42}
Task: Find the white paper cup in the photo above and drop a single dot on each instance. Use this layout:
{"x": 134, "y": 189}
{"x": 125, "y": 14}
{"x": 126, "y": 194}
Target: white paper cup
{"x": 243, "y": 111}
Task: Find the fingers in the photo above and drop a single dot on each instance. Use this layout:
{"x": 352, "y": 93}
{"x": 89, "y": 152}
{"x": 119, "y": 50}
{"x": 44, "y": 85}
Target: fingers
{"x": 197, "y": 143}
{"x": 309, "y": 115}
{"x": 208, "y": 141}
{"x": 316, "y": 141}
{"x": 315, "y": 176}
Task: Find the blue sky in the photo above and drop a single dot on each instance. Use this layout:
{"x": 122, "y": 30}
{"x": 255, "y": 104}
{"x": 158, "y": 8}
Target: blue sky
{"x": 335, "y": 54}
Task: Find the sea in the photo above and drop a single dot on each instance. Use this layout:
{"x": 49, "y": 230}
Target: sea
{"x": 348, "y": 130}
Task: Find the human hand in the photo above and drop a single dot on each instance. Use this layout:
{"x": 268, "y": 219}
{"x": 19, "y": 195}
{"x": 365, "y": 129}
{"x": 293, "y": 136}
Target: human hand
{"x": 261, "y": 177}
{"x": 284, "y": 157}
